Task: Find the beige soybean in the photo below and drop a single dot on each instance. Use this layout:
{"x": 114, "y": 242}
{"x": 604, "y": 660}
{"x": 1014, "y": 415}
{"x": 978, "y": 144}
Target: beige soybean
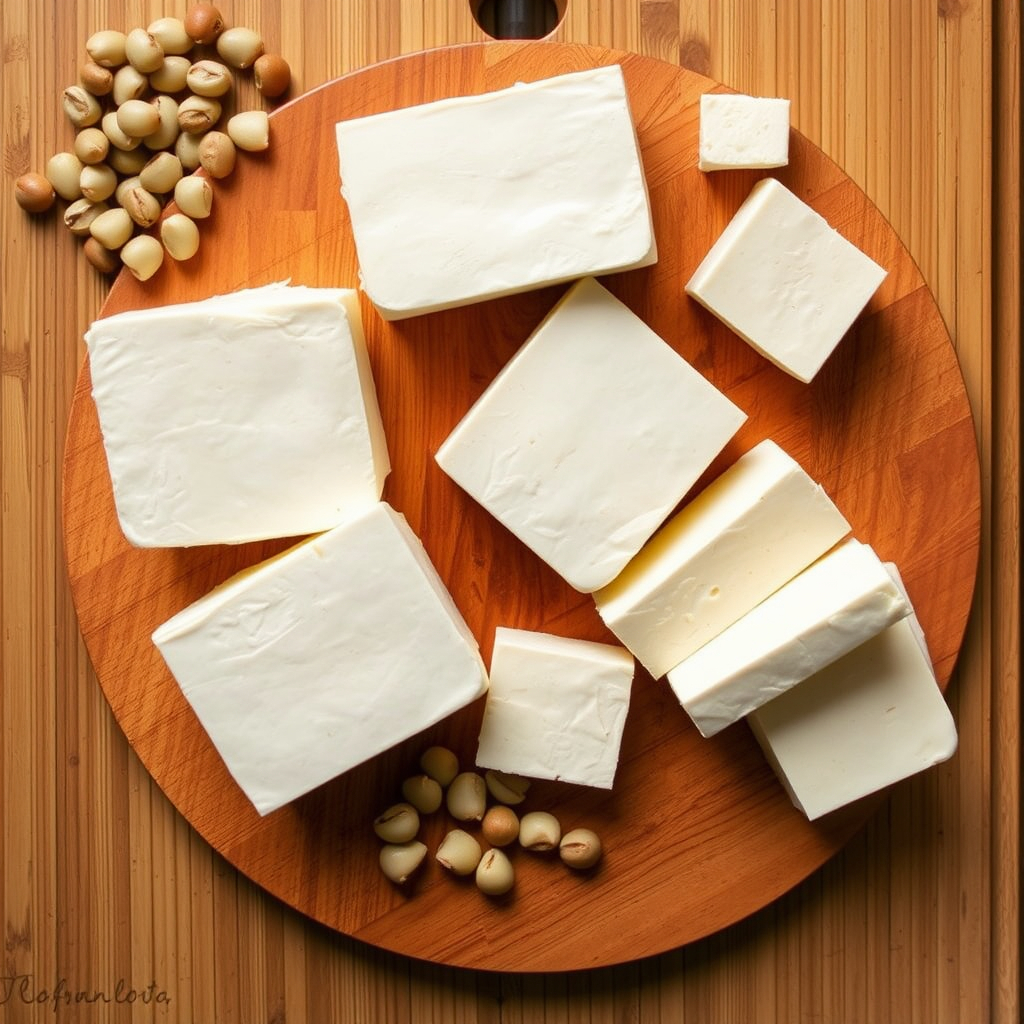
{"x": 171, "y": 35}
{"x": 440, "y": 764}
{"x": 506, "y": 788}
{"x": 124, "y": 186}
{"x": 500, "y": 825}
{"x": 137, "y": 119}
{"x": 127, "y": 161}
{"x": 398, "y": 824}
{"x": 239, "y": 47}
{"x": 97, "y": 182}
{"x": 64, "y": 173}
{"x": 494, "y": 873}
{"x": 105, "y": 260}
{"x": 209, "y": 78}
{"x": 423, "y": 792}
{"x": 78, "y": 217}
{"x": 580, "y": 848}
{"x": 217, "y": 154}
{"x": 186, "y": 149}
{"x": 203, "y": 23}
{"x": 399, "y": 861}
{"x": 98, "y": 80}
{"x": 198, "y": 114}
{"x": 143, "y": 51}
{"x": 194, "y": 197}
{"x": 161, "y": 173}
{"x": 467, "y": 797}
{"x": 129, "y": 84}
{"x": 107, "y": 48}
{"x": 142, "y": 255}
{"x": 91, "y": 145}
{"x": 181, "y": 239}
{"x": 80, "y": 106}
{"x": 459, "y": 852}
{"x": 141, "y": 205}
{"x": 172, "y": 75}
{"x": 34, "y": 194}
{"x": 112, "y": 228}
{"x": 166, "y": 135}
{"x": 539, "y": 830}
{"x": 250, "y": 130}
{"x": 119, "y": 138}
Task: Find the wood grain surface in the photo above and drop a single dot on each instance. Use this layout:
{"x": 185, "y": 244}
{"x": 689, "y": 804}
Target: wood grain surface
{"x": 917, "y": 919}
{"x": 886, "y": 427}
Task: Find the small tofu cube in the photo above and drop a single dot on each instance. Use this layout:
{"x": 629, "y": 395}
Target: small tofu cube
{"x": 841, "y": 601}
{"x": 556, "y": 708}
{"x": 322, "y": 657}
{"x": 742, "y": 131}
{"x": 868, "y": 720}
{"x": 589, "y": 437}
{"x": 750, "y": 531}
{"x": 239, "y": 418}
{"x": 784, "y": 280}
{"x": 475, "y": 197}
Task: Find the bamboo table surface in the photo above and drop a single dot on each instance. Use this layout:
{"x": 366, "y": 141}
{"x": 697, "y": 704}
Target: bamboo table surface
{"x": 107, "y": 891}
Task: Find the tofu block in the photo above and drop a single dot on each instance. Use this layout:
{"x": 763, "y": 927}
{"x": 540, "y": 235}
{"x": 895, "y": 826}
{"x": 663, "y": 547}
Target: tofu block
{"x": 332, "y": 652}
{"x": 556, "y": 708}
{"x": 742, "y": 131}
{"x": 238, "y": 418}
{"x": 750, "y": 531}
{"x": 840, "y": 602}
{"x": 477, "y": 197}
{"x": 589, "y": 437}
{"x": 872, "y": 718}
{"x": 784, "y": 280}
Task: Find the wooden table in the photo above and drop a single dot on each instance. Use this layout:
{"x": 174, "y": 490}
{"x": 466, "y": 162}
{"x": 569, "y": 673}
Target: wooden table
{"x": 106, "y": 890}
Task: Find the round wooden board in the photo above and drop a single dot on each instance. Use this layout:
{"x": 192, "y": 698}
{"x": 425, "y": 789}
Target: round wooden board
{"x": 698, "y": 832}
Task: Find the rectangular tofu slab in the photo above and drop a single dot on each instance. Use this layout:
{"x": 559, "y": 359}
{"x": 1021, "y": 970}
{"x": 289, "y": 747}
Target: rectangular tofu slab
{"x": 476, "y": 197}
{"x": 589, "y": 437}
{"x": 750, "y": 531}
{"x": 783, "y": 279}
{"x": 238, "y": 418}
{"x": 872, "y": 718}
{"x": 840, "y": 602}
{"x": 556, "y": 708}
{"x": 322, "y": 657}
{"x": 742, "y": 131}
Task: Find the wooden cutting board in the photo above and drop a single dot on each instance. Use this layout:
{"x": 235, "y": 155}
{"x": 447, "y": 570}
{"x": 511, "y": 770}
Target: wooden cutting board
{"x": 698, "y": 832}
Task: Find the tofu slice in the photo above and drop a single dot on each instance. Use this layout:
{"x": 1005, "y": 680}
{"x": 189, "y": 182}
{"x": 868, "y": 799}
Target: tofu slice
{"x": 589, "y": 437}
{"x": 840, "y": 602}
{"x": 556, "y": 708}
{"x": 476, "y": 197}
{"x": 784, "y": 280}
{"x": 238, "y": 418}
{"x": 867, "y": 721}
{"x": 751, "y": 530}
{"x": 332, "y": 652}
{"x": 742, "y": 131}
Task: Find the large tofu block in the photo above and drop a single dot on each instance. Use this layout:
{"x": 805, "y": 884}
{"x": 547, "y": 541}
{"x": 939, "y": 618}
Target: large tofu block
{"x": 784, "y": 280}
{"x": 556, "y": 708}
{"x": 322, "y": 657}
{"x": 872, "y": 718}
{"x": 476, "y": 197}
{"x": 589, "y": 437}
{"x": 750, "y": 531}
{"x": 742, "y": 131}
{"x": 238, "y": 418}
{"x": 840, "y": 602}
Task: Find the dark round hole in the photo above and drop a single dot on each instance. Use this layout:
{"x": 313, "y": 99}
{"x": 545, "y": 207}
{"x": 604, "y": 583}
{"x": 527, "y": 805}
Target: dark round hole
{"x": 518, "y": 19}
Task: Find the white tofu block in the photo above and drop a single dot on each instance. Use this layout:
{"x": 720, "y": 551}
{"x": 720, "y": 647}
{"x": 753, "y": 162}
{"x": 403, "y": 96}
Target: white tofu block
{"x": 238, "y": 418}
{"x": 872, "y": 718}
{"x": 556, "y": 708}
{"x": 750, "y": 531}
{"x": 841, "y": 601}
{"x": 742, "y": 131}
{"x": 589, "y": 437}
{"x": 784, "y": 280}
{"x": 476, "y": 197}
{"x": 322, "y": 657}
